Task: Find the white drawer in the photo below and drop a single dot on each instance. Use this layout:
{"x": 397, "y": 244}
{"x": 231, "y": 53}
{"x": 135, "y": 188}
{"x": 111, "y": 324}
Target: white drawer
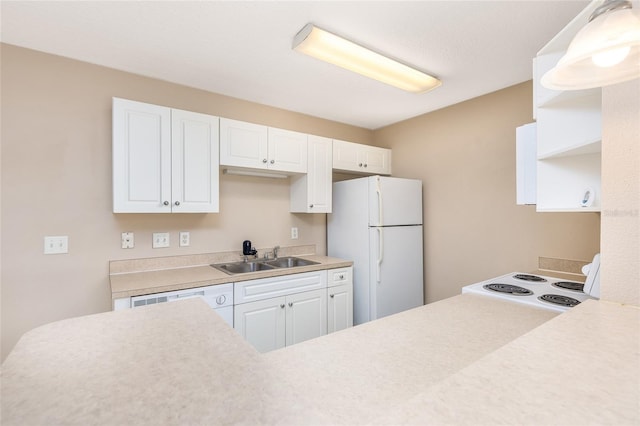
{"x": 340, "y": 276}
{"x": 266, "y": 288}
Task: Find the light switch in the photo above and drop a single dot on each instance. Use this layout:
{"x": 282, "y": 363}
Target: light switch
{"x": 56, "y": 245}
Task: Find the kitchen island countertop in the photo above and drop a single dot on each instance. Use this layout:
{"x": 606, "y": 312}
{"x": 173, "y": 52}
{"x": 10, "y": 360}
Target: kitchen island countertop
{"x": 179, "y": 363}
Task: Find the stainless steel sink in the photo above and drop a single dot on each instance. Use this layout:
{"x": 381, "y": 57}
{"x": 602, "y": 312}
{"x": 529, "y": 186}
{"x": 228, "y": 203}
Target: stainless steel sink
{"x": 243, "y": 267}
{"x": 290, "y": 262}
{"x": 262, "y": 265}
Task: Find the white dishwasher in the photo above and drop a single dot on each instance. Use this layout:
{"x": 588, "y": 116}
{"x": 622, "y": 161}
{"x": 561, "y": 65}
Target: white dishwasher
{"x": 219, "y": 297}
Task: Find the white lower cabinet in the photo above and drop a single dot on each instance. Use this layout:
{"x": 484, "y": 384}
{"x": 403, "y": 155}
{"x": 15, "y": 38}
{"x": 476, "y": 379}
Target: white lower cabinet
{"x": 272, "y": 313}
{"x": 262, "y": 323}
{"x": 282, "y": 321}
{"x": 306, "y": 316}
{"x": 340, "y": 299}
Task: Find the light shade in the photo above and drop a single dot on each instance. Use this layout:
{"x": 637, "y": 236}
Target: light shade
{"x": 336, "y": 50}
{"x": 605, "y": 51}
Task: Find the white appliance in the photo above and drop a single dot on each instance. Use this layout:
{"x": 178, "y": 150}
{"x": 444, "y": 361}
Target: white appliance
{"x": 540, "y": 291}
{"x": 377, "y": 223}
{"x": 219, "y": 297}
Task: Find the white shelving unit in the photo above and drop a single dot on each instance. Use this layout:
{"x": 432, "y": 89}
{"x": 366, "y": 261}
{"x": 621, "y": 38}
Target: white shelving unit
{"x": 569, "y": 134}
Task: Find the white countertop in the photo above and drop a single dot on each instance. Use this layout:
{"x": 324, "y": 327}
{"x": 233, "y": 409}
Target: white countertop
{"x": 451, "y": 362}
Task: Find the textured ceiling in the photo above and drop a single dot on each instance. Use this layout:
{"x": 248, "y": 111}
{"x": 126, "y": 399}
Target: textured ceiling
{"x": 243, "y": 49}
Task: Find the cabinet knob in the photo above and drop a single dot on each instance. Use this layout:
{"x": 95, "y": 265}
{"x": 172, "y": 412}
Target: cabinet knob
{"x": 290, "y": 304}
{"x": 166, "y": 203}
{"x": 177, "y": 203}
{"x": 359, "y": 164}
{"x": 310, "y": 206}
{"x": 331, "y": 295}
{"x": 365, "y": 164}
{"x": 341, "y": 276}
{"x": 282, "y": 305}
{"x": 272, "y": 161}
{"x": 264, "y": 160}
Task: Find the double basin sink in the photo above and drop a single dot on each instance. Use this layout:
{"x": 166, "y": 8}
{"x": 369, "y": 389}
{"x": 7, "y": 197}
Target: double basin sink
{"x": 262, "y": 265}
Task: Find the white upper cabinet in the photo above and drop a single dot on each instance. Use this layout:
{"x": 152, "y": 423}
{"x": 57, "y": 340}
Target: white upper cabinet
{"x": 164, "y": 160}
{"x": 252, "y": 146}
{"x": 311, "y": 192}
{"x": 287, "y": 150}
{"x": 362, "y": 159}
{"x": 194, "y": 162}
{"x": 569, "y": 133}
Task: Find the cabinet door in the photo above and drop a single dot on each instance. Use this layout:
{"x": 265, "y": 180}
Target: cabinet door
{"x": 376, "y": 160}
{"x": 306, "y": 316}
{"x": 195, "y": 164}
{"x": 243, "y": 144}
{"x": 311, "y": 192}
{"x": 262, "y": 323}
{"x": 287, "y": 151}
{"x": 339, "y": 307}
{"x": 345, "y": 156}
{"x": 141, "y": 157}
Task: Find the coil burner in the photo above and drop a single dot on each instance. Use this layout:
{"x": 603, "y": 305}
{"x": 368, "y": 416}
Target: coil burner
{"x": 508, "y": 288}
{"x": 530, "y": 278}
{"x": 557, "y": 299}
{"x": 569, "y": 285}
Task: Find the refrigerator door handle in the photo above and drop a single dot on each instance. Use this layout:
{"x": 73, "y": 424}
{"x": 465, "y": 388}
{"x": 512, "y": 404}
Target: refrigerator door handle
{"x": 379, "y": 193}
{"x": 380, "y": 252}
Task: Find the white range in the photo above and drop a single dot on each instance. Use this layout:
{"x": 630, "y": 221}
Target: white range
{"x": 541, "y": 291}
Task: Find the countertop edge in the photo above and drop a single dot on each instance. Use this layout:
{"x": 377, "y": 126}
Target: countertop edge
{"x": 174, "y": 279}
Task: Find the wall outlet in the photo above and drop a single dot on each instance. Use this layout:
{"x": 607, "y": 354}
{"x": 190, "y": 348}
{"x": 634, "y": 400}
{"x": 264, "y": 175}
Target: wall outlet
{"x": 185, "y": 239}
{"x": 127, "y": 240}
{"x": 56, "y": 245}
{"x": 160, "y": 240}
{"x": 294, "y": 233}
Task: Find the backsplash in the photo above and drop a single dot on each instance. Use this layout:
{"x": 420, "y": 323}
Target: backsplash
{"x": 562, "y": 265}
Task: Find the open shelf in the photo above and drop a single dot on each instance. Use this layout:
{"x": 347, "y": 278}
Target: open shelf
{"x": 592, "y": 147}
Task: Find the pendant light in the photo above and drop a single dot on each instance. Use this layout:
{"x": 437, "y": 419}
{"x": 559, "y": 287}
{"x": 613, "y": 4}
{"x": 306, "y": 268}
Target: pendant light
{"x": 605, "y": 51}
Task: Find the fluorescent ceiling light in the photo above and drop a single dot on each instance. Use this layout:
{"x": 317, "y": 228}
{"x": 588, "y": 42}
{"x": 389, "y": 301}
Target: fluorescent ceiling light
{"x": 605, "y": 51}
{"x": 328, "y": 47}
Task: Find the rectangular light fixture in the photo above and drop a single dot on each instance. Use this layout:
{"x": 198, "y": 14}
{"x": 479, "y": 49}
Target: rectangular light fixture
{"x": 336, "y": 50}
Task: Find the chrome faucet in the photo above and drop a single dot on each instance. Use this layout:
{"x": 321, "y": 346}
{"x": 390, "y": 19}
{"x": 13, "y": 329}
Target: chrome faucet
{"x": 275, "y": 253}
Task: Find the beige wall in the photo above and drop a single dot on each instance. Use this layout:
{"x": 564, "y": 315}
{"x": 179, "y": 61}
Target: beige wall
{"x": 620, "y": 257}
{"x": 56, "y": 180}
{"x": 465, "y": 156}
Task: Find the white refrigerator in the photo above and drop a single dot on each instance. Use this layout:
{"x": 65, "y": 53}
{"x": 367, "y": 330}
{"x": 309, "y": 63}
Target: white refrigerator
{"x": 377, "y": 223}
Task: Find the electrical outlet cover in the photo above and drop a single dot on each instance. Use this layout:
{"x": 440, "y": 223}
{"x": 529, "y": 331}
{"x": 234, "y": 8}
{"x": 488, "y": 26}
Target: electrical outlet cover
{"x": 127, "y": 240}
{"x": 160, "y": 240}
{"x": 185, "y": 239}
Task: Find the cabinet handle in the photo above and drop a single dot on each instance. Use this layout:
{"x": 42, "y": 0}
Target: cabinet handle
{"x": 282, "y": 305}
{"x": 177, "y": 203}
{"x": 290, "y": 304}
{"x": 331, "y": 295}
{"x": 272, "y": 161}
{"x": 166, "y": 203}
{"x": 264, "y": 160}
